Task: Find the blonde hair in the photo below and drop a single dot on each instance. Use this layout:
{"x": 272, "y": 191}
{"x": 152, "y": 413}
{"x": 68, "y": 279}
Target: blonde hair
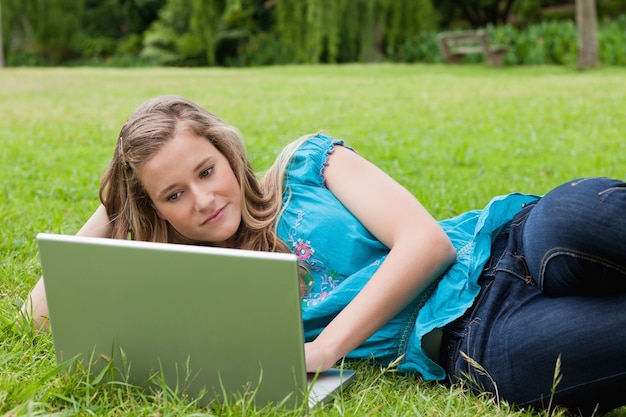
{"x": 155, "y": 123}
{"x": 273, "y": 182}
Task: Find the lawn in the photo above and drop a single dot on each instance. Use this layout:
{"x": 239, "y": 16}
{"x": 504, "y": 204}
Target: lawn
{"x": 454, "y": 136}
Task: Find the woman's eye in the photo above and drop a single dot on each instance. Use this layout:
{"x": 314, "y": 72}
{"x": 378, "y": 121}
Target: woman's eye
{"x": 206, "y": 172}
{"x": 174, "y": 196}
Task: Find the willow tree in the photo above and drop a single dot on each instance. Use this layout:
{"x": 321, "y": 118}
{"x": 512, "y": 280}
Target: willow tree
{"x": 56, "y": 25}
{"x": 47, "y": 29}
{"x": 349, "y": 30}
{"x": 206, "y": 21}
{"x": 407, "y": 19}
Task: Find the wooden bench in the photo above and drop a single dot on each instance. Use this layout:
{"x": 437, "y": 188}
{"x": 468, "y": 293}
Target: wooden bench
{"x": 454, "y": 46}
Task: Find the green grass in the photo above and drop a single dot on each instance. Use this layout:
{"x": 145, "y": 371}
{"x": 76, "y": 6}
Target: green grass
{"x": 454, "y": 136}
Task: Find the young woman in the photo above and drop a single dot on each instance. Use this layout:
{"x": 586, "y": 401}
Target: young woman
{"x": 494, "y": 297}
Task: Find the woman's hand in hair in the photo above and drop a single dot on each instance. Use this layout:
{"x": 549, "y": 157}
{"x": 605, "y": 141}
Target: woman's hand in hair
{"x": 35, "y": 307}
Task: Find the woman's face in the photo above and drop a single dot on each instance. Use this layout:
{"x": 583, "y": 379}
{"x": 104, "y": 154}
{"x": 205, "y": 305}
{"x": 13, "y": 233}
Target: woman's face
{"x": 193, "y": 187}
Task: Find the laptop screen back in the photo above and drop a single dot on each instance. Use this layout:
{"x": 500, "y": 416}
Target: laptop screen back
{"x": 207, "y": 319}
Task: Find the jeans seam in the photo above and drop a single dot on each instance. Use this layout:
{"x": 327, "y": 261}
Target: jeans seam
{"x": 555, "y": 252}
{"x": 580, "y": 181}
{"x": 568, "y": 389}
{"x": 493, "y": 266}
{"x": 520, "y": 218}
{"x": 610, "y": 189}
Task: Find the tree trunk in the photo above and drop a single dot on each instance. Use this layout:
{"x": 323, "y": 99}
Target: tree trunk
{"x": 586, "y": 21}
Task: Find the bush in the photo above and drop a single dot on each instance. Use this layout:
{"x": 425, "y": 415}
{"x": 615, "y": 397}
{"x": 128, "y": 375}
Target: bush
{"x": 612, "y": 42}
{"x": 546, "y": 43}
{"x": 261, "y": 49}
{"x": 26, "y": 58}
{"x": 420, "y": 48}
{"x": 97, "y": 47}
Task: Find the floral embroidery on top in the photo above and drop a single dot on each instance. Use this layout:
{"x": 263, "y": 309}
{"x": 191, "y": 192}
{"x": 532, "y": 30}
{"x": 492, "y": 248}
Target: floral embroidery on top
{"x": 303, "y": 249}
{"x": 327, "y": 282}
{"x": 320, "y": 280}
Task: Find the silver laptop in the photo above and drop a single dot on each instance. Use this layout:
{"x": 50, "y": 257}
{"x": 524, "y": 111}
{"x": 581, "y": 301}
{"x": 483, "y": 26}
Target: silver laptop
{"x": 214, "y": 324}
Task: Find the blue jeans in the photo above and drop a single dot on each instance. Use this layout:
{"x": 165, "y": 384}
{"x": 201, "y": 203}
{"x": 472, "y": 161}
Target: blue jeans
{"x": 554, "y": 290}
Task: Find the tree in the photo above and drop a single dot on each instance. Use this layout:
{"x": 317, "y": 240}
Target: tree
{"x": 165, "y": 42}
{"x": 192, "y": 32}
{"x": 42, "y": 31}
{"x": 475, "y": 13}
{"x": 586, "y": 20}
{"x": 349, "y": 30}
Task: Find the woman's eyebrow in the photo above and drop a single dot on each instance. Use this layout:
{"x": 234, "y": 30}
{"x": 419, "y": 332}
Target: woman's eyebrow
{"x": 199, "y": 166}
{"x": 202, "y": 163}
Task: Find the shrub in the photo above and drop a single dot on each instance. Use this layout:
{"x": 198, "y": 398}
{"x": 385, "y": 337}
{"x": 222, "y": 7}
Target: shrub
{"x": 541, "y": 44}
{"x": 261, "y": 49}
{"x": 97, "y": 47}
{"x": 547, "y": 43}
{"x": 422, "y": 47}
{"x": 612, "y": 42}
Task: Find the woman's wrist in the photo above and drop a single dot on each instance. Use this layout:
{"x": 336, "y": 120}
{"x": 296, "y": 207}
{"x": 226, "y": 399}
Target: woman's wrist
{"x": 320, "y": 355}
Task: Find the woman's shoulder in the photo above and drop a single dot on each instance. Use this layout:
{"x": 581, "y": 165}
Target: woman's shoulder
{"x": 318, "y": 146}
{"x": 311, "y": 158}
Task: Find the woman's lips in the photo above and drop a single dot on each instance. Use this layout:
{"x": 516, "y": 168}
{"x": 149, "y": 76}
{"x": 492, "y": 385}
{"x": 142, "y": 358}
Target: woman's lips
{"x": 214, "y": 217}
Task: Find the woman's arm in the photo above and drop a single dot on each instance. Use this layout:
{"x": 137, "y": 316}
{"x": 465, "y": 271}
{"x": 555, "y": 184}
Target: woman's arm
{"x": 35, "y": 306}
{"x": 420, "y": 251}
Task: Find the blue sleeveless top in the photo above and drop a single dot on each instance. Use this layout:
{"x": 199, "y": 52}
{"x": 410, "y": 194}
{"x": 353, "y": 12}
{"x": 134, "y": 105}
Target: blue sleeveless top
{"x": 341, "y": 256}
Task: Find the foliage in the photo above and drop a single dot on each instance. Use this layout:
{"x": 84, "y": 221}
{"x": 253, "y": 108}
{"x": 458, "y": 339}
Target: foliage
{"x": 191, "y": 32}
{"x": 224, "y": 29}
{"x": 541, "y": 44}
{"x": 612, "y": 41}
{"x": 114, "y": 28}
{"x": 116, "y": 19}
{"x": 52, "y": 32}
{"x": 276, "y": 32}
{"x": 261, "y": 49}
{"x": 350, "y": 30}
{"x": 554, "y": 42}
{"x": 476, "y": 13}
{"x": 610, "y": 8}
{"x": 233, "y": 32}
{"x": 41, "y": 30}
{"x": 421, "y": 47}
{"x": 534, "y": 11}
{"x": 545, "y": 43}
{"x": 167, "y": 41}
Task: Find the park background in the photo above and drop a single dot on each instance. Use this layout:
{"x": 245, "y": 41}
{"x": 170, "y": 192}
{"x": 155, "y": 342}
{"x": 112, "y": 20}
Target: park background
{"x": 269, "y": 32}
{"x": 455, "y": 136}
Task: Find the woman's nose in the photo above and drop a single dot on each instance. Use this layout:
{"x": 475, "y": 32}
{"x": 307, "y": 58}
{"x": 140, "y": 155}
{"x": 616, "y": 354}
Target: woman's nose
{"x": 203, "y": 199}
